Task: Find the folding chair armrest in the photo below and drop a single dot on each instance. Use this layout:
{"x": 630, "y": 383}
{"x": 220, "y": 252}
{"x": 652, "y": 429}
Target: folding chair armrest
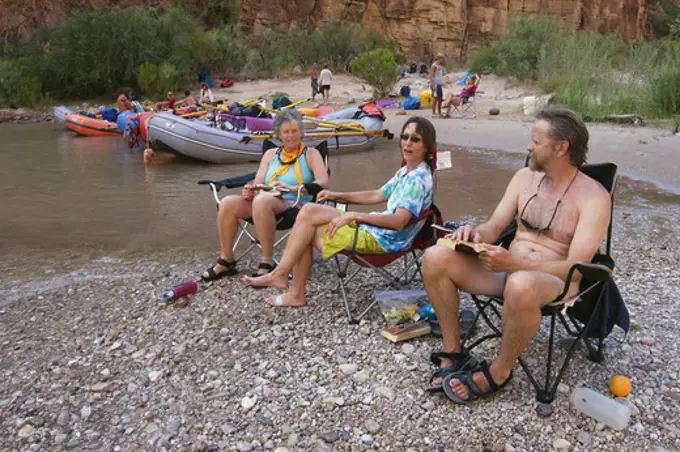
{"x": 589, "y": 271}
{"x": 231, "y": 182}
{"x": 313, "y": 189}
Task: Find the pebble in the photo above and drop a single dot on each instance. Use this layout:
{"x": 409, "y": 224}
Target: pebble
{"x": 102, "y": 386}
{"x": 366, "y": 439}
{"x": 330, "y": 436}
{"x": 26, "y": 431}
{"x": 36, "y": 421}
{"x": 372, "y": 426}
{"x": 649, "y": 341}
{"x": 292, "y": 440}
{"x": 362, "y": 376}
{"x": 155, "y": 375}
{"x": 561, "y": 443}
{"x": 408, "y": 349}
{"x": 60, "y": 438}
{"x": 85, "y": 412}
{"x": 563, "y": 388}
{"x": 63, "y": 418}
{"x": 384, "y": 391}
{"x": 247, "y": 403}
{"x": 281, "y": 449}
{"x": 348, "y": 369}
{"x": 584, "y": 438}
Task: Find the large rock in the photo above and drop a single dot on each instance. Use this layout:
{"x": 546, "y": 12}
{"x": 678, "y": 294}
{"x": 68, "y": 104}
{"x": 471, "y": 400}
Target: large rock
{"x": 533, "y": 104}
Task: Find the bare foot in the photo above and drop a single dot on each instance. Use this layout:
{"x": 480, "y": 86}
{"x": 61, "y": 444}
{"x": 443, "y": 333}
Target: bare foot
{"x": 268, "y": 280}
{"x": 463, "y": 392}
{"x": 286, "y": 301}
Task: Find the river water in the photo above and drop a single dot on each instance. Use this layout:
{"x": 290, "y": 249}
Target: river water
{"x": 65, "y": 196}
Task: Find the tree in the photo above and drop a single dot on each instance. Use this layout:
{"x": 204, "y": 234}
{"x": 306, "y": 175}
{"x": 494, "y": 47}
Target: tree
{"x": 378, "y": 68}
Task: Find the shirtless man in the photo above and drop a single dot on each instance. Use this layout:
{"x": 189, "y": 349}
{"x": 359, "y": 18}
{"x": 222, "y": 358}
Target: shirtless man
{"x": 562, "y": 217}
{"x": 123, "y": 101}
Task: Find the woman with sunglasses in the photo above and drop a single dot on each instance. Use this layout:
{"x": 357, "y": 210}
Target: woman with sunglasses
{"x": 288, "y": 167}
{"x": 329, "y": 230}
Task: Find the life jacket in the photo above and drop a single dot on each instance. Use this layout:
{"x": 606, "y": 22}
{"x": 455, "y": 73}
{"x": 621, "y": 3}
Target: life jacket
{"x": 372, "y": 110}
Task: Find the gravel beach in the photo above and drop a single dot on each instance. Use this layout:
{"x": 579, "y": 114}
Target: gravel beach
{"x": 92, "y": 359}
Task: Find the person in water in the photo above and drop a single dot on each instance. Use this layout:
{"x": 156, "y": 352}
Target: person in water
{"x": 290, "y": 167}
{"x": 123, "y": 102}
{"x": 330, "y": 230}
{"x": 562, "y": 216}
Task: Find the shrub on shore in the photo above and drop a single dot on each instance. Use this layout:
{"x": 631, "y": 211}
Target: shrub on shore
{"x": 597, "y": 75}
{"x": 378, "y": 68}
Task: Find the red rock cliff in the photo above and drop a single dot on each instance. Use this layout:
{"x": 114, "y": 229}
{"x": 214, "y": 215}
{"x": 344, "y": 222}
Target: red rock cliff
{"x": 420, "y": 27}
{"x": 425, "y": 27}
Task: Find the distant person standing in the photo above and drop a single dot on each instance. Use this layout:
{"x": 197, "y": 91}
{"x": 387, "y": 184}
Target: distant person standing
{"x": 325, "y": 78}
{"x": 436, "y": 79}
{"x": 206, "y": 94}
{"x": 315, "y": 82}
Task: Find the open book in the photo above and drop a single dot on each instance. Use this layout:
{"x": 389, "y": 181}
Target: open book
{"x": 462, "y": 246}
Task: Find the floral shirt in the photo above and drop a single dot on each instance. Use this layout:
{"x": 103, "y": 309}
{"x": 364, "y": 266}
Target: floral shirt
{"x": 411, "y": 191}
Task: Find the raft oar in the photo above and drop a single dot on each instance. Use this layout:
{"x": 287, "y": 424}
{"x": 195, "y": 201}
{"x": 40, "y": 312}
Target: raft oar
{"x": 287, "y": 107}
{"x": 369, "y": 133}
{"x": 194, "y": 114}
{"x": 336, "y": 125}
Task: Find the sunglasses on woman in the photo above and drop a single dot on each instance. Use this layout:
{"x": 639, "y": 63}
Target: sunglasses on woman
{"x": 412, "y": 138}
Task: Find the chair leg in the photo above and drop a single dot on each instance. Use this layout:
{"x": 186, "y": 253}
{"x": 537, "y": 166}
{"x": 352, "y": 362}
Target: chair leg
{"x": 342, "y": 273}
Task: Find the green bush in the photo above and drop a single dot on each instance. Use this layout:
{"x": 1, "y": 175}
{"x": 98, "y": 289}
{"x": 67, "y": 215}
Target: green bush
{"x": 666, "y": 92}
{"x": 17, "y": 87}
{"x": 518, "y": 53}
{"x": 378, "y": 68}
{"x": 156, "y": 79}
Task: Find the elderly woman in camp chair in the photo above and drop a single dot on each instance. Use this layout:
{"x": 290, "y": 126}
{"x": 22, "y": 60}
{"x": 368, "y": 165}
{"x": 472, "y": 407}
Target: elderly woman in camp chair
{"x": 329, "y": 230}
{"x": 288, "y": 167}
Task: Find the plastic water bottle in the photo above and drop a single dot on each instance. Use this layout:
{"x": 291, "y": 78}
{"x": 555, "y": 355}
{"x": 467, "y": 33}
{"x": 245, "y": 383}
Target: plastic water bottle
{"x": 180, "y": 290}
{"x": 601, "y": 408}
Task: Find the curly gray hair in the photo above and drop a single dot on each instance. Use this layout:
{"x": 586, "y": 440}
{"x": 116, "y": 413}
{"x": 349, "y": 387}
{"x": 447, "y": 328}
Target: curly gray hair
{"x": 285, "y": 116}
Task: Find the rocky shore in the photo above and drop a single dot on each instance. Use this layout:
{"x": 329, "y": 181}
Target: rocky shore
{"x": 93, "y": 360}
{"x": 25, "y": 116}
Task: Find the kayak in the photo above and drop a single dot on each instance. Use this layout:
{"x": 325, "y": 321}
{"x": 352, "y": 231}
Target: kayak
{"x": 91, "y": 127}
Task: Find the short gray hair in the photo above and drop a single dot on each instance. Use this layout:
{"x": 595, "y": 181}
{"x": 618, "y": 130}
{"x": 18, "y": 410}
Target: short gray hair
{"x": 567, "y": 125}
{"x": 285, "y": 116}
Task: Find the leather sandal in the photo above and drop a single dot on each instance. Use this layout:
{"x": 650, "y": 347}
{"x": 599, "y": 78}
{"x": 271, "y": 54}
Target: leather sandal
{"x": 211, "y": 275}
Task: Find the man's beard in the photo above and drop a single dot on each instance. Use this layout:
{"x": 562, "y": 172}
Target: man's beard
{"x": 534, "y": 164}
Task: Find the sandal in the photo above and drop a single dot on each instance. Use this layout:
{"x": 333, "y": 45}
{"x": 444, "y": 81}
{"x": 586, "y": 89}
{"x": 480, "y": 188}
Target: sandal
{"x": 462, "y": 362}
{"x": 211, "y": 275}
{"x": 263, "y": 269}
{"x": 473, "y": 390}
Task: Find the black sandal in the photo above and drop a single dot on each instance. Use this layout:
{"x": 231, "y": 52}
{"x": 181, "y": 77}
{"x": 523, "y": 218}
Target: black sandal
{"x": 210, "y": 275}
{"x": 474, "y": 392}
{"x": 461, "y": 363}
{"x": 266, "y": 266}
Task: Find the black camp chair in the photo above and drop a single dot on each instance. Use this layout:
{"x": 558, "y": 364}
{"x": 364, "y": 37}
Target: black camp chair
{"x": 588, "y": 316}
{"x": 284, "y": 220}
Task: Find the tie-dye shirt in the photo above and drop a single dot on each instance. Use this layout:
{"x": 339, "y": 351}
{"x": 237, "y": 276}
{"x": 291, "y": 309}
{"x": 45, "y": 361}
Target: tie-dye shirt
{"x": 411, "y": 191}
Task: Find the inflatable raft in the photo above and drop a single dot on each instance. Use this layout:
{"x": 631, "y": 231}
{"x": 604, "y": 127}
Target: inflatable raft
{"x": 91, "y": 127}
{"x": 225, "y": 143}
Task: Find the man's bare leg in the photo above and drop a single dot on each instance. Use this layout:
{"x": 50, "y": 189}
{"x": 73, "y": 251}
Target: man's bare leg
{"x": 524, "y": 295}
{"x": 297, "y": 294}
{"x": 311, "y": 217}
{"x": 445, "y": 272}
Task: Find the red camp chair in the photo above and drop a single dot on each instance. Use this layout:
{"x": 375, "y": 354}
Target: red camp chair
{"x": 427, "y": 236}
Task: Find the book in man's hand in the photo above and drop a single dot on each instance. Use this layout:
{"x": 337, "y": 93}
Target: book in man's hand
{"x": 462, "y": 245}
{"x": 407, "y": 331}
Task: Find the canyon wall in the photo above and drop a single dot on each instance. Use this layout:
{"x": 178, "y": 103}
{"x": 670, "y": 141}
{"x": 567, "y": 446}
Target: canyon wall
{"x": 453, "y": 27}
{"x": 420, "y": 27}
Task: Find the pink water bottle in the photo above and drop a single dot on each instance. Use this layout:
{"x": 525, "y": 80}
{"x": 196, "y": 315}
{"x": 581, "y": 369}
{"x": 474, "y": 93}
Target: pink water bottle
{"x": 180, "y": 290}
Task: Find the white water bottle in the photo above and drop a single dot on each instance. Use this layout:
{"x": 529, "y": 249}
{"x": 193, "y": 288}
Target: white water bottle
{"x": 601, "y": 408}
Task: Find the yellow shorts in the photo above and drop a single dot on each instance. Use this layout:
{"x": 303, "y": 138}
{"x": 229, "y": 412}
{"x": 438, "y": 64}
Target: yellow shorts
{"x": 344, "y": 238}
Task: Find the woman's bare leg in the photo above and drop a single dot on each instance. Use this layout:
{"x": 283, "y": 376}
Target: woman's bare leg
{"x": 297, "y": 294}
{"x": 232, "y": 209}
{"x": 265, "y": 208}
{"x": 311, "y": 217}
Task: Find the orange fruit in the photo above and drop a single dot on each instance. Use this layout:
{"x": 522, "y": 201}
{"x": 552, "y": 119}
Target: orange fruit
{"x": 620, "y": 386}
